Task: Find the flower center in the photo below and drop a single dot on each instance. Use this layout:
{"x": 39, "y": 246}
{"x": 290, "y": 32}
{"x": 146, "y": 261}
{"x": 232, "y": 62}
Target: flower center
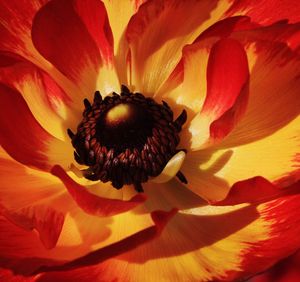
{"x": 126, "y": 138}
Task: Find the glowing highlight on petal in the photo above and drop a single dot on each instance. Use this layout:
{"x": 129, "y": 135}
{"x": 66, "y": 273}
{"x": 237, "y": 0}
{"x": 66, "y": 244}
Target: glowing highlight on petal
{"x": 171, "y": 168}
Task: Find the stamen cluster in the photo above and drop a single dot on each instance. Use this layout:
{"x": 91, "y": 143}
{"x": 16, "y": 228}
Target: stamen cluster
{"x": 126, "y": 138}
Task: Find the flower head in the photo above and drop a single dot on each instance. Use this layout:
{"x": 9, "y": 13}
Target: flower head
{"x": 148, "y": 140}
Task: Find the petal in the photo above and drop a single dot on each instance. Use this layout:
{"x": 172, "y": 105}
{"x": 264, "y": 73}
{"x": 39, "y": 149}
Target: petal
{"x": 21, "y": 251}
{"x": 16, "y": 37}
{"x": 119, "y": 14}
{"x": 21, "y": 136}
{"x": 185, "y": 85}
{"x": 45, "y": 99}
{"x": 93, "y": 204}
{"x": 46, "y": 221}
{"x": 158, "y": 32}
{"x": 280, "y": 217}
{"x": 274, "y": 72}
{"x": 273, "y": 157}
{"x": 23, "y": 201}
{"x": 255, "y": 190}
{"x": 227, "y": 93}
{"x": 194, "y": 244}
{"x": 25, "y": 266}
{"x": 59, "y": 33}
{"x": 8, "y": 276}
{"x": 94, "y": 17}
{"x": 8, "y": 59}
{"x": 267, "y": 12}
{"x": 160, "y": 219}
{"x": 286, "y": 270}
{"x": 171, "y": 168}
{"x": 29, "y": 203}
{"x": 200, "y": 168}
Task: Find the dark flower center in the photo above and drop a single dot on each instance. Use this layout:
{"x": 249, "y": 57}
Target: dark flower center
{"x": 126, "y": 138}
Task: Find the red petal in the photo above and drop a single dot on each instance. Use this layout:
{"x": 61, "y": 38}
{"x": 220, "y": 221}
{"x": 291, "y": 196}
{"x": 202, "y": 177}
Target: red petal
{"x": 45, "y": 99}
{"x": 47, "y": 222}
{"x": 158, "y": 32}
{"x": 93, "y": 204}
{"x": 267, "y": 12}
{"x": 9, "y": 59}
{"x": 227, "y": 75}
{"x": 287, "y": 270}
{"x": 222, "y": 126}
{"x": 255, "y": 190}
{"x": 94, "y": 16}
{"x": 160, "y": 219}
{"x": 227, "y": 93}
{"x": 8, "y": 276}
{"x": 282, "y": 216}
{"x": 20, "y": 250}
{"x": 60, "y": 36}
{"x": 272, "y": 58}
{"x": 16, "y": 18}
{"x": 20, "y": 134}
{"x": 226, "y": 27}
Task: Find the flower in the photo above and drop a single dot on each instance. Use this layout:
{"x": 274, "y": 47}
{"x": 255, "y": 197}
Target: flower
{"x": 232, "y": 66}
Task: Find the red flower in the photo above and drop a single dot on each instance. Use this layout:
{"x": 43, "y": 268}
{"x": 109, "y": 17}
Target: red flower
{"x": 218, "y": 160}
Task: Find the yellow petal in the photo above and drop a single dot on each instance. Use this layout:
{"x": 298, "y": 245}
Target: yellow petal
{"x": 273, "y": 157}
{"x": 171, "y": 168}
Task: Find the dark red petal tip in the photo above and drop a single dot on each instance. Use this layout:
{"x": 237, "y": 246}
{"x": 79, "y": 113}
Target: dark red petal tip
{"x": 255, "y": 190}
{"x": 93, "y": 204}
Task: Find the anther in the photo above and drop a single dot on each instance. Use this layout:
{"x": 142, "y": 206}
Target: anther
{"x": 87, "y": 103}
{"x": 180, "y": 120}
{"x": 70, "y": 133}
{"x": 124, "y": 89}
{"x": 97, "y": 96}
{"x": 181, "y": 177}
{"x": 138, "y": 187}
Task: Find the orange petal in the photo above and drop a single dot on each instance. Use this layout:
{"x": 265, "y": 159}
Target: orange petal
{"x": 171, "y": 168}
{"x": 21, "y": 251}
{"x": 255, "y": 190}
{"x": 28, "y": 201}
{"x": 93, "y": 204}
{"x": 119, "y": 14}
{"x": 186, "y": 86}
{"x": 46, "y": 100}
{"x": 158, "y": 32}
{"x": 80, "y": 60}
{"x": 16, "y": 37}
{"x": 274, "y": 77}
{"x": 227, "y": 93}
{"x": 194, "y": 244}
{"x": 281, "y": 218}
{"x": 23, "y": 137}
{"x": 7, "y": 275}
{"x": 34, "y": 263}
{"x": 267, "y": 12}
{"x": 45, "y": 220}
{"x": 275, "y": 157}
{"x": 160, "y": 219}
{"x": 287, "y": 270}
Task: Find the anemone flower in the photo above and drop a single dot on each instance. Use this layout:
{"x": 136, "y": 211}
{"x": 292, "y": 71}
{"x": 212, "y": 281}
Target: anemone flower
{"x": 148, "y": 140}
